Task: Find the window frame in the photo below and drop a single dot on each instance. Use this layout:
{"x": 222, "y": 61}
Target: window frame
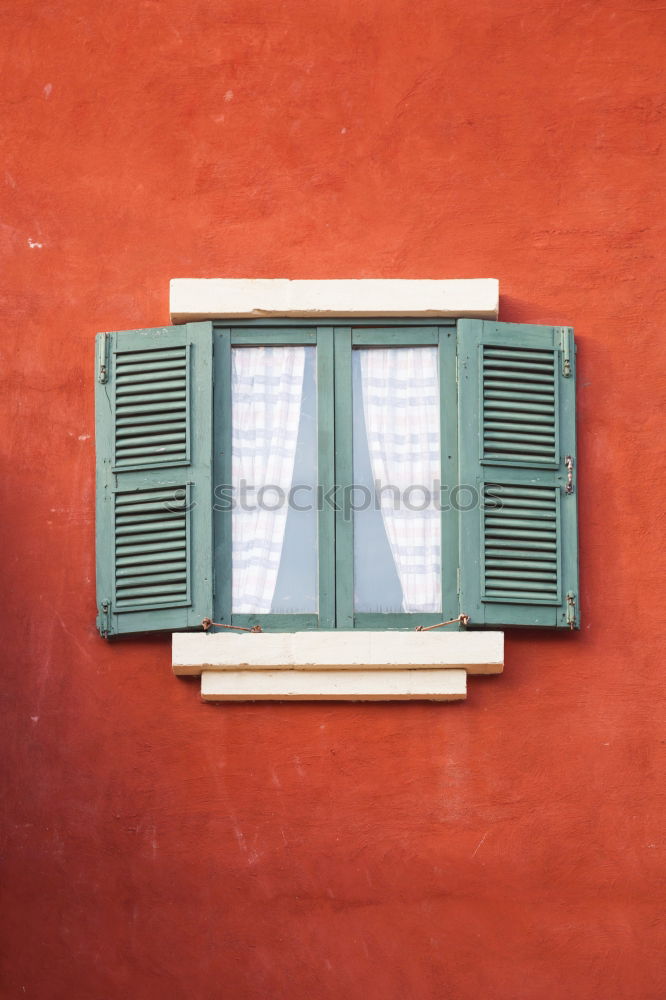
{"x": 334, "y": 338}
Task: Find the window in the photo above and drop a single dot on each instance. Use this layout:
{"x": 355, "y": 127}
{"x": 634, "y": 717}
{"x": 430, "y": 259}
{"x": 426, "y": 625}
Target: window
{"x": 363, "y": 474}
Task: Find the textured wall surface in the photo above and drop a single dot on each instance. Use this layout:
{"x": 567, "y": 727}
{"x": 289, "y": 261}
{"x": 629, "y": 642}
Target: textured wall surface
{"x": 507, "y": 847}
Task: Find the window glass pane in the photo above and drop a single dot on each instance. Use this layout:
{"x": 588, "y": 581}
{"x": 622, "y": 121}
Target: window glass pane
{"x": 274, "y": 473}
{"x": 397, "y": 471}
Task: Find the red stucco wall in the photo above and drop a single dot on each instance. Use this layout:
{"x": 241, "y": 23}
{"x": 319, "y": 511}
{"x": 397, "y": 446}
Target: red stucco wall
{"x": 507, "y": 847}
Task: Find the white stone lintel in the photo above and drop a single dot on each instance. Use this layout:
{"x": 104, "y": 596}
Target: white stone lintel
{"x": 473, "y": 652}
{"x": 334, "y": 685}
{"x": 251, "y": 298}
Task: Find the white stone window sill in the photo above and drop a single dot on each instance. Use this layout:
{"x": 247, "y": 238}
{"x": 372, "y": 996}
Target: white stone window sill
{"x": 338, "y": 666}
{"x": 246, "y": 298}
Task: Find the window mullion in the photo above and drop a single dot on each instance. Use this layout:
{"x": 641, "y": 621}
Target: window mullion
{"x": 344, "y": 478}
{"x": 326, "y": 475}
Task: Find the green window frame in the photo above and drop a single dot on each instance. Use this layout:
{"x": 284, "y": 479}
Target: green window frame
{"x": 399, "y": 334}
{"x": 507, "y": 423}
{"x": 252, "y": 334}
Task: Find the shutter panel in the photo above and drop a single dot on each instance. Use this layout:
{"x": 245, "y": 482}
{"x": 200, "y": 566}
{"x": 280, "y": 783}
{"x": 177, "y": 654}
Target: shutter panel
{"x": 516, "y": 427}
{"x": 154, "y": 418}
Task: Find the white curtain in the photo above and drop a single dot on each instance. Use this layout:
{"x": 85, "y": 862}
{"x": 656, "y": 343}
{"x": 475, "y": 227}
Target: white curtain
{"x": 266, "y": 395}
{"x": 401, "y": 408}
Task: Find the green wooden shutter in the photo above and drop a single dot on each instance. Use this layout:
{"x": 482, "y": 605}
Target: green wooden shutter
{"x": 516, "y": 428}
{"x": 154, "y": 391}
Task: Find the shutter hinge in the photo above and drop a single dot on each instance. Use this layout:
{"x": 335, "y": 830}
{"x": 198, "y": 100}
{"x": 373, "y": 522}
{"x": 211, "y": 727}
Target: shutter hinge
{"x": 569, "y": 485}
{"x": 571, "y": 609}
{"x": 104, "y": 621}
{"x": 565, "y": 344}
{"x": 103, "y": 358}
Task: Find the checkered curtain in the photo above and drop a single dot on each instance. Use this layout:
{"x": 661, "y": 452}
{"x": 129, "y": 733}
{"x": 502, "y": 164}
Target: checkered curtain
{"x": 266, "y": 395}
{"x": 400, "y": 389}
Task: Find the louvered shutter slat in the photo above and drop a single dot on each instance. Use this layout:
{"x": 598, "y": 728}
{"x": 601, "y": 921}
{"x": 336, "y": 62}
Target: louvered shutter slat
{"x": 154, "y": 446}
{"x": 518, "y": 546}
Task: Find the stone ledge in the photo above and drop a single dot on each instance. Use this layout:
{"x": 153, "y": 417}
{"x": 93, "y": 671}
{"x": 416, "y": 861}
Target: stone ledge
{"x": 334, "y": 685}
{"x": 473, "y": 652}
{"x": 246, "y": 298}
